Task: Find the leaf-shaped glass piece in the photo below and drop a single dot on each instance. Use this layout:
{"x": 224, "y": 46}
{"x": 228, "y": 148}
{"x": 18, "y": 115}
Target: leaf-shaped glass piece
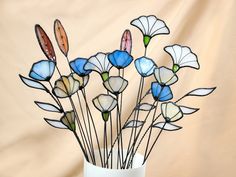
{"x": 167, "y": 126}
{"x": 145, "y": 107}
{"x": 48, "y": 107}
{"x": 188, "y": 110}
{"x": 61, "y": 37}
{"x": 126, "y": 41}
{"x": 201, "y": 92}
{"x": 56, "y": 123}
{"x": 45, "y": 43}
{"x": 134, "y": 124}
{"x": 33, "y": 84}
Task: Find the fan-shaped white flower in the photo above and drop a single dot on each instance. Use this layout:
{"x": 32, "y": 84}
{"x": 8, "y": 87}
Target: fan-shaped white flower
{"x": 182, "y": 56}
{"x": 100, "y": 64}
{"x": 150, "y": 26}
{"x": 165, "y": 76}
{"x": 115, "y": 84}
{"x": 171, "y": 112}
{"x": 105, "y": 103}
{"x": 66, "y": 86}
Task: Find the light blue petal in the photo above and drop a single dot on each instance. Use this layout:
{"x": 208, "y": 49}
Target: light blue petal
{"x": 145, "y": 66}
{"x": 42, "y": 70}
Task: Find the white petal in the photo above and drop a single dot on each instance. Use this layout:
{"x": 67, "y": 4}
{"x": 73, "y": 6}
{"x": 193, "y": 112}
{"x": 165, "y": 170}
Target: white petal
{"x": 159, "y": 28}
{"x": 116, "y": 84}
{"x": 167, "y": 126}
{"x": 182, "y": 56}
{"x": 97, "y": 104}
{"x": 104, "y": 102}
{"x": 150, "y": 25}
{"x": 138, "y": 24}
{"x": 165, "y": 76}
{"x": 171, "y": 111}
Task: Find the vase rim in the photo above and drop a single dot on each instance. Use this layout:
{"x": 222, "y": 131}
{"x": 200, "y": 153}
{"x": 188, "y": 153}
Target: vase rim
{"x": 137, "y": 155}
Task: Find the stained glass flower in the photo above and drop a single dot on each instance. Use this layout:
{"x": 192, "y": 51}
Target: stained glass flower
{"x": 160, "y": 92}
{"x": 68, "y": 119}
{"x": 66, "y": 86}
{"x": 120, "y": 59}
{"x": 100, "y": 64}
{"x": 165, "y": 76}
{"x": 105, "y": 104}
{"x": 182, "y": 56}
{"x": 115, "y": 84}
{"x": 150, "y": 26}
{"x": 171, "y": 112}
{"x": 42, "y": 70}
{"x": 82, "y": 80}
{"x": 145, "y": 66}
{"x": 77, "y": 66}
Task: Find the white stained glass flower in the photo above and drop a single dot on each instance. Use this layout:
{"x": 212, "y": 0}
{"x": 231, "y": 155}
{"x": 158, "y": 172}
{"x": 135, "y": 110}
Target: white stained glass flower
{"x": 99, "y": 63}
{"x": 182, "y": 56}
{"x": 66, "y": 86}
{"x": 150, "y": 26}
{"x": 171, "y": 112}
{"x": 105, "y": 104}
{"x": 165, "y": 76}
{"x": 115, "y": 84}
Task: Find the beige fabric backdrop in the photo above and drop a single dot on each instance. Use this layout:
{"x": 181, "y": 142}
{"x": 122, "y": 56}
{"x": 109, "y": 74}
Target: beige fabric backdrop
{"x": 205, "y": 147}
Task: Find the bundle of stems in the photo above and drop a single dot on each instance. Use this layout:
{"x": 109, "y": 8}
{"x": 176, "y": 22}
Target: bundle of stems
{"x": 112, "y": 151}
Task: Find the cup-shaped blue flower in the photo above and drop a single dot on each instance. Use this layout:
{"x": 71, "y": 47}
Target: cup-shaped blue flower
{"x": 145, "y": 66}
{"x": 120, "y": 59}
{"x": 77, "y": 66}
{"x": 42, "y": 70}
{"x": 160, "y": 92}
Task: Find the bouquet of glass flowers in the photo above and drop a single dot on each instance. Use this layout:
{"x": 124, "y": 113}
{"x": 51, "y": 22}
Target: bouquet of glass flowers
{"x": 80, "y": 120}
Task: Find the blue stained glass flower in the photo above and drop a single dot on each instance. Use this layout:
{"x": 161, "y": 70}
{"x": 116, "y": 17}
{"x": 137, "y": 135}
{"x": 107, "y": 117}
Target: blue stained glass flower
{"x": 161, "y": 93}
{"x": 145, "y": 66}
{"x": 120, "y": 59}
{"x": 77, "y": 66}
{"x": 42, "y": 70}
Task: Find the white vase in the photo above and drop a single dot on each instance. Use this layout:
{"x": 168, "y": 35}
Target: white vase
{"x": 138, "y": 169}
